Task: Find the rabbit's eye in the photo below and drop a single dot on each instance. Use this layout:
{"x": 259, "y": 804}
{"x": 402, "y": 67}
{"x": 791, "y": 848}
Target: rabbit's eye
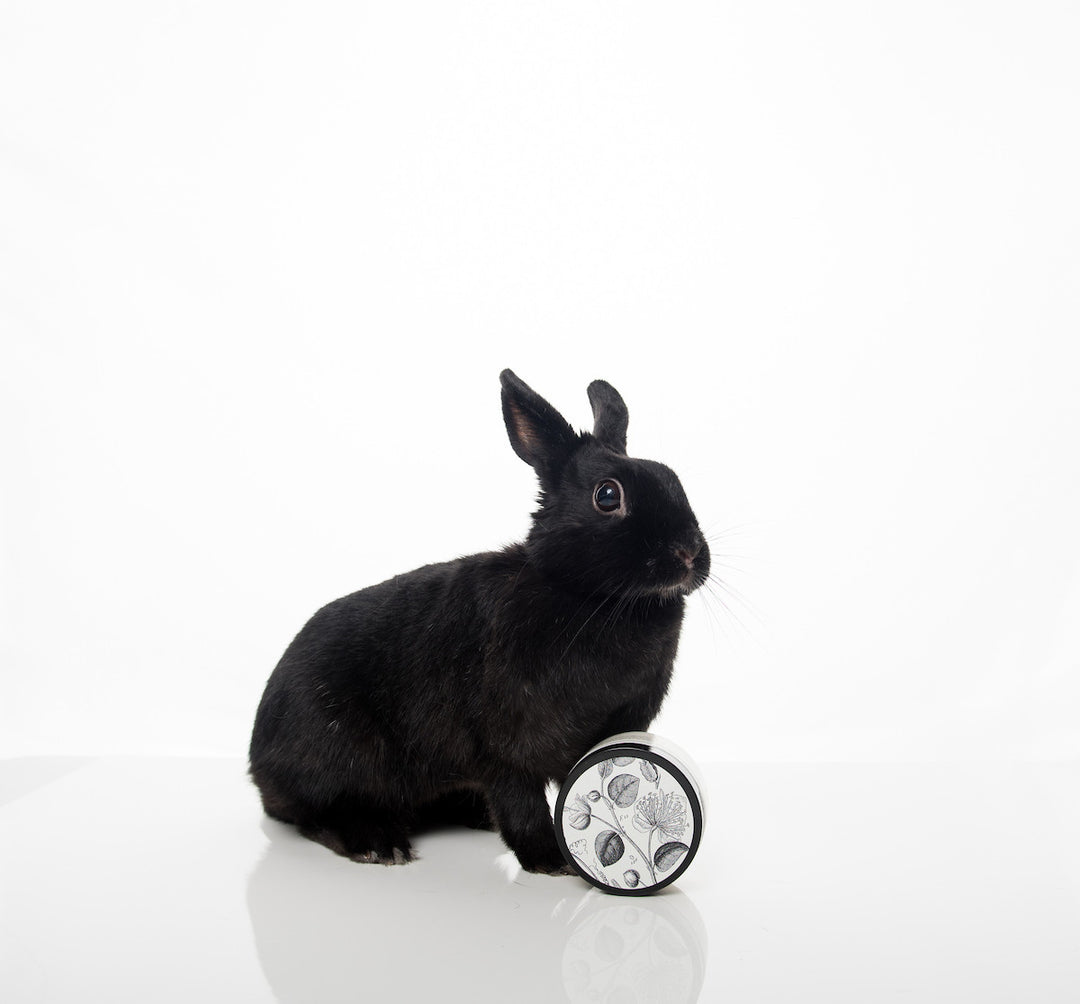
{"x": 608, "y": 497}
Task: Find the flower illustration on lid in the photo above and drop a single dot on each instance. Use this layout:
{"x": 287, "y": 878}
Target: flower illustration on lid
{"x": 663, "y": 813}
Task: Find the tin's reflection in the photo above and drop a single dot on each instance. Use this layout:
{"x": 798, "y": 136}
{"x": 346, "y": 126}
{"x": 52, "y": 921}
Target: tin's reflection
{"x": 626, "y": 951}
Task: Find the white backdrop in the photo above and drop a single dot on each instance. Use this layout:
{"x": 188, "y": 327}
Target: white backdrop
{"x": 262, "y": 263}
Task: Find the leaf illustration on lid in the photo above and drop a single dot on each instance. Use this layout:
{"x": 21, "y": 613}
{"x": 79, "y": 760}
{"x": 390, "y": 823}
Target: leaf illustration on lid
{"x": 606, "y": 767}
{"x": 577, "y": 813}
{"x": 622, "y": 789}
{"x": 622, "y": 761}
{"x": 631, "y": 877}
{"x": 609, "y": 847}
{"x": 649, "y": 771}
{"x": 669, "y": 854}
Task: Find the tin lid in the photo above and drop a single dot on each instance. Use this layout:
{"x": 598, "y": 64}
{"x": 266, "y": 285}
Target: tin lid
{"x": 630, "y": 816}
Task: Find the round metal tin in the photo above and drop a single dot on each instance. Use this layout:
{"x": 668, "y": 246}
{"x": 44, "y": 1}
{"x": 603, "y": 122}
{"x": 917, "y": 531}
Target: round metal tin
{"x": 630, "y": 815}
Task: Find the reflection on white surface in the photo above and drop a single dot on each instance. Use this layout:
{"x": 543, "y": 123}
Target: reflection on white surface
{"x": 135, "y": 880}
{"x": 326, "y": 928}
{"x": 630, "y": 950}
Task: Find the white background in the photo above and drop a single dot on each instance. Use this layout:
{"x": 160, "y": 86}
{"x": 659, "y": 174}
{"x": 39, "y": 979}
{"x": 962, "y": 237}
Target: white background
{"x": 260, "y": 266}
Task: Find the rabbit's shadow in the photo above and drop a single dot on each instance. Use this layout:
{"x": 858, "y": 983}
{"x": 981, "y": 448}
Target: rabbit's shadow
{"x": 462, "y": 919}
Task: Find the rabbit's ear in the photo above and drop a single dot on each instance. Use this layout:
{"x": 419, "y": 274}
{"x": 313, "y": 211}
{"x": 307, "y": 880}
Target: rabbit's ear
{"x": 538, "y": 433}
{"x": 610, "y": 416}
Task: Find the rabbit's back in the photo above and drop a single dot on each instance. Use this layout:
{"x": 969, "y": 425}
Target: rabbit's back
{"x": 384, "y": 687}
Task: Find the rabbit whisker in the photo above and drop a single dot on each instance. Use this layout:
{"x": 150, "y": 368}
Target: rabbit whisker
{"x": 716, "y": 589}
{"x": 712, "y": 592}
{"x": 735, "y": 530}
{"x": 737, "y": 596}
{"x": 584, "y": 625}
{"x": 570, "y": 620}
{"x": 717, "y": 562}
{"x": 623, "y": 603}
{"x": 715, "y": 620}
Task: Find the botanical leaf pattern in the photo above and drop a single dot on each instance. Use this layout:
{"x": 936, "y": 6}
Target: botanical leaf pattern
{"x": 668, "y": 855}
{"x": 609, "y": 847}
{"x": 622, "y": 789}
{"x": 577, "y": 812}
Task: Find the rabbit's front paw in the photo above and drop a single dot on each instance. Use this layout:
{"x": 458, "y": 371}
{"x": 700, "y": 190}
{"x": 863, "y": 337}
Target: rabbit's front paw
{"x": 551, "y": 868}
{"x": 543, "y": 857}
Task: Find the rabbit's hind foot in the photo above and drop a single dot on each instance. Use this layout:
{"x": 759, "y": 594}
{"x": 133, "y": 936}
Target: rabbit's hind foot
{"x": 360, "y": 831}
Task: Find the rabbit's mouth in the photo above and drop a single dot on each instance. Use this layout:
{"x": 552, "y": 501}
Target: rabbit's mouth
{"x": 692, "y": 578}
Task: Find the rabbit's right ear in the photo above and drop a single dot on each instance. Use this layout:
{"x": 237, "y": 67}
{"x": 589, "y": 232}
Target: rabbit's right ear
{"x": 609, "y": 415}
{"x": 538, "y": 433}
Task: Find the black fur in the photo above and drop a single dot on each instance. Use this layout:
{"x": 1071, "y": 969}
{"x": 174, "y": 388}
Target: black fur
{"x": 460, "y": 689}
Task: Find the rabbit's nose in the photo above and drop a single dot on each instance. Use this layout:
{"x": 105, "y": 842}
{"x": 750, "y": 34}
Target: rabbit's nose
{"x": 687, "y": 555}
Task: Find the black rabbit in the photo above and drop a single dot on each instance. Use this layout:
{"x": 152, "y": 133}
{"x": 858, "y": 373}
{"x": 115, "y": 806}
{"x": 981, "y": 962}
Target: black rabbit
{"x": 460, "y": 689}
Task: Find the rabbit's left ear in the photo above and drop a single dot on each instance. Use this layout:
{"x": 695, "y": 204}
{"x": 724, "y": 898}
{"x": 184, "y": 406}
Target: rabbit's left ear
{"x": 610, "y": 416}
{"x": 538, "y": 433}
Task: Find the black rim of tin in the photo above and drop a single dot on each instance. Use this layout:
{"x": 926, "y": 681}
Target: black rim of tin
{"x": 609, "y": 753}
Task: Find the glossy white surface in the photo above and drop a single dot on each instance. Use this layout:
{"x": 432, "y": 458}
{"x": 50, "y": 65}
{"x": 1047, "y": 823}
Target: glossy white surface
{"x": 158, "y": 880}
